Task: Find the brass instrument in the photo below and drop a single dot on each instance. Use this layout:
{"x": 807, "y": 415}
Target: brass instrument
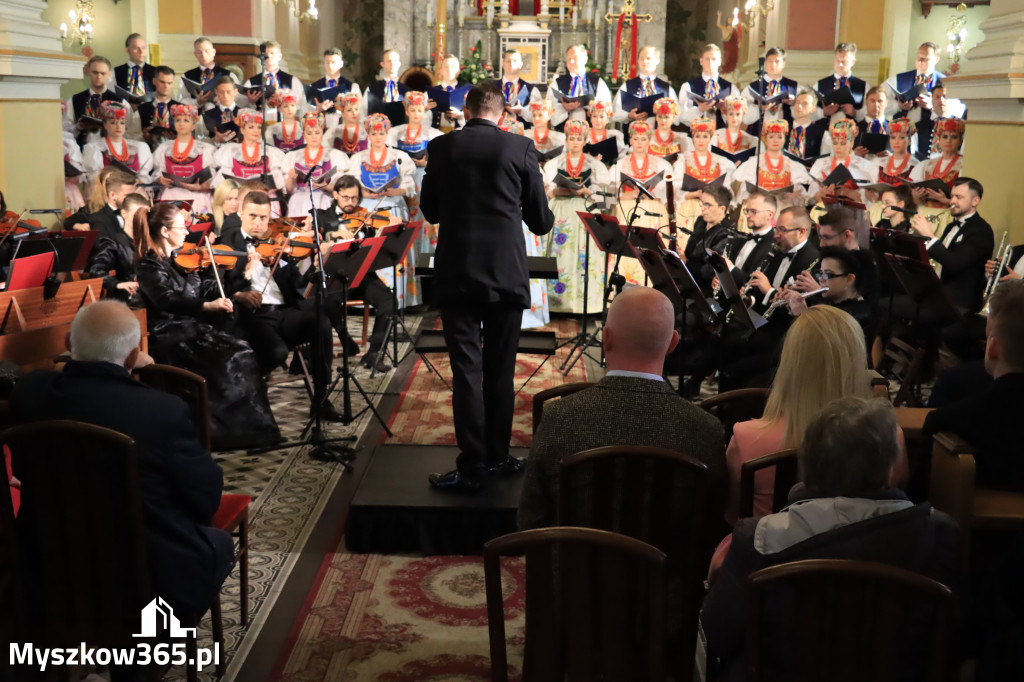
{"x": 994, "y": 280}
{"x": 990, "y": 283}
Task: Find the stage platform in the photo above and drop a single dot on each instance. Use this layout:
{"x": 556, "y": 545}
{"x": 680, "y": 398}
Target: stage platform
{"x": 395, "y": 510}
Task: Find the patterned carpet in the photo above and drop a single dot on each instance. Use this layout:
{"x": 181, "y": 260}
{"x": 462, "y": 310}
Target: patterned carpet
{"x": 424, "y": 412}
{"x": 289, "y": 490}
{"x": 401, "y": 619}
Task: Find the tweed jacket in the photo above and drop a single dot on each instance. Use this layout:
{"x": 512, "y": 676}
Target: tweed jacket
{"x": 618, "y": 410}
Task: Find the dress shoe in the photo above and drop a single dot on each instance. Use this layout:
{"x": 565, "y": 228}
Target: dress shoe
{"x": 327, "y": 413}
{"x": 374, "y": 361}
{"x": 510, "y": 465}
{"x": 351, "y": 347}
{"x": 455, "y": 481}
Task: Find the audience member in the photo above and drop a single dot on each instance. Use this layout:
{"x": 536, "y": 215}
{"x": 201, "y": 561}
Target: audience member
{"x": 180, "y": 482}
{"x": 632, "y": 405}
{"x": 823, "y": 358}
{"x": 844, "y": 509}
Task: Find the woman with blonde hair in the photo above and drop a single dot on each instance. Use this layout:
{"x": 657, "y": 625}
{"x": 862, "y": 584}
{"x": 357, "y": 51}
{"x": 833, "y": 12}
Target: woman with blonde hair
{"x": 823, "y": 358}
{"x": 225, "y": 203}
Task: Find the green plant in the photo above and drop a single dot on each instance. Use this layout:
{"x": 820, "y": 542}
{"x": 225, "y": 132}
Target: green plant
{"x": 612, "y": 80}
{"x": 474, "y": 68}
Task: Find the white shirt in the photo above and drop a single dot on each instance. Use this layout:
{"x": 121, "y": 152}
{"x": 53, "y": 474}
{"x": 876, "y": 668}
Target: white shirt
{"x": 637, "y": 375}
{"x": 259, "y": 279}
{"x": 749, "y": 246}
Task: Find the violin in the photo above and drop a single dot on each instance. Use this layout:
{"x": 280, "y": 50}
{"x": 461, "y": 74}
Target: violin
{"x": 194, "y": 257}
{"x": 284, "y": 225}
{"x": 361, "y": 218}
{"x": 272, "y": 249}
{"x": 13, "y": 228}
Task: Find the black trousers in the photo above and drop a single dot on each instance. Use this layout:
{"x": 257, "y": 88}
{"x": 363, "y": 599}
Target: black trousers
{"x": 483, "y": 367}
{"x": 374, "y": 292}
{"x": 274, "y": 330}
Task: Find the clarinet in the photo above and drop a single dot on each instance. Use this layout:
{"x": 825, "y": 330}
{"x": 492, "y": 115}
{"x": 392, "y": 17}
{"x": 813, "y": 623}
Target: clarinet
{"x": 670, "y": 204}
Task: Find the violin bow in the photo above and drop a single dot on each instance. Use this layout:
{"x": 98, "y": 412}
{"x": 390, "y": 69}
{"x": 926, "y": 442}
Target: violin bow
{"x": 216, "y": 275}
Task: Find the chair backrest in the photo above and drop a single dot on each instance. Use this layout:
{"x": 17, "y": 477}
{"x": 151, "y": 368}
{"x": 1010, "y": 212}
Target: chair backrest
{"x": 905, "y": 363}
{"x": 785, "y": 465}
{"x": 81, "y": 541}
{"x": 951, "y": 482}
{"x": 740, "y": 405}
{"x": 594, "y": 606}
{"x": 188, "y": 386}
{"x": 657, "y": 496}
{"x": 846, "y": 621}
{"x": 547, "y": 394}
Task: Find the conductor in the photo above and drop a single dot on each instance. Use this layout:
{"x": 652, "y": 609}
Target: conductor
{"x": 481, "y": 185}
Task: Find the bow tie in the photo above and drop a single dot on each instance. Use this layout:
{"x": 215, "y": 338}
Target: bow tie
{"x": 251, "y": 240}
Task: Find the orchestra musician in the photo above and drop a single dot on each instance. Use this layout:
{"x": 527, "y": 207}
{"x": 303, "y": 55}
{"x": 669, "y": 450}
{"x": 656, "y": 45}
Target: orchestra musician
{"x": 712, "y": 230}
{"x": 113, "y": 257}
{"x": 107, "y": 220}
{"x": 180, "y": 307}
{"x": 899, "y": 197}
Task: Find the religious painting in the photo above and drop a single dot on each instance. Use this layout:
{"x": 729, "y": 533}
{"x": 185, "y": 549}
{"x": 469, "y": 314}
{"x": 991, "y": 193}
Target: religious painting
{"x": 531, "y": 61}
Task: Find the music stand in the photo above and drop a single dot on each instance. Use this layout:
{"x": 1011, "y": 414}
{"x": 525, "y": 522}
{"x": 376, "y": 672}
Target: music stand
{"x": 197, "y": 232}
{"x": 29, "y": 271}
{"x": 72, "y": 248}
{"x": 921, "y": 283}
{"x": 883, "y": 242}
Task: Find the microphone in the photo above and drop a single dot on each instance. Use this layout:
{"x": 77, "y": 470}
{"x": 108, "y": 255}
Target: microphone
{"x": 899, "y": 209}
{"x": 639, "y": 188}
{"x": 304, "y": 178}
{"x": 760, "y": 67}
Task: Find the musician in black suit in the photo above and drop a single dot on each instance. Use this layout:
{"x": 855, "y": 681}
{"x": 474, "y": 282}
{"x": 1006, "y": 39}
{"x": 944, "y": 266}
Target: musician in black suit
{"x": 113, "y": 258}
{"x": 273, "y": 314}
{"x": 208, "y": 70}
{"x": 744, "y": 255}
{"x": 961, "y": 253}
{"x": 845, "y": 58}
{"x": 712, "y": 230}
{"x": 135, "y": 76}
{"x": 108, "y": 221}
{"x": 180, "y": 483}
{"x": 481, "y": 185}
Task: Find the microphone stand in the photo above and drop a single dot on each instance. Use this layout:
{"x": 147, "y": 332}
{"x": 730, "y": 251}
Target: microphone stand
{"x": 760, "y": 131}
{"x": 616, "y": 279}
{"x": 262, "y": 56}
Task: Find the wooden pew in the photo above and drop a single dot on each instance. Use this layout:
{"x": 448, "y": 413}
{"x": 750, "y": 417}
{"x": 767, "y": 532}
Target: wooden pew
{"x": 33, "y": 329}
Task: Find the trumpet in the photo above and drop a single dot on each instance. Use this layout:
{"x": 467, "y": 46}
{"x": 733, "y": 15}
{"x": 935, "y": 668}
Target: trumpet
{"x": 994, "y": 280}
{"x": 990, "y": 283}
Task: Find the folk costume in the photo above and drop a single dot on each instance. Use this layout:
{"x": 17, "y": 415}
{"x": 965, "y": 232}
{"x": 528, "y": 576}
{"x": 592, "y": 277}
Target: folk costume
{"x": 184, "y": 159}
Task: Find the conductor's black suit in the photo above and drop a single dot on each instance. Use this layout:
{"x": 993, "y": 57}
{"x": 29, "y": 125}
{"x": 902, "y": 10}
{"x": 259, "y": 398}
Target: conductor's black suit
{"x": 481, "y": 184}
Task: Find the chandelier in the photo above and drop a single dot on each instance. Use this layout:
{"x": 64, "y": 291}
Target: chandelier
{"x": 80, "y": 28}
{"x": 748, "y": 16}
{"x": 311, "y": 13}
{"x": 956, "y": 33}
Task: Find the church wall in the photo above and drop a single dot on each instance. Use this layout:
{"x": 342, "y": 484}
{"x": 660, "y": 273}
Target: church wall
{"x": 111, "y": 26}
{"x": 934, "y": 27}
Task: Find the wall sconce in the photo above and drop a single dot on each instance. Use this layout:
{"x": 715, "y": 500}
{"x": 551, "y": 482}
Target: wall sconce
{"x": 750, "y": 11}
{"x": 956, "y": 33}
{"x": 80, "y": 29}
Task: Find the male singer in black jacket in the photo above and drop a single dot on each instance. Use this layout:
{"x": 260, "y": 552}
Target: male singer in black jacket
{"x": 481, "y": 184}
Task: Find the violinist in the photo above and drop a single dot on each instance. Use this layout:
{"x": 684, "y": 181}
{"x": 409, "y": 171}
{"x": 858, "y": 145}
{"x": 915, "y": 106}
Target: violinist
{"x": 271, "y": 311}
{"x": 347, "y": 193}
{"x": 116, "y": 254}
{"x": 179, "y": 306}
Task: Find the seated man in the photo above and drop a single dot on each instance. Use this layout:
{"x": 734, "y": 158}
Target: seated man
{"x": 844, "y": 509}
{"x": 181, "y": 484}
{"x": 990, "y": 421}
{"x": 632, "y": 405}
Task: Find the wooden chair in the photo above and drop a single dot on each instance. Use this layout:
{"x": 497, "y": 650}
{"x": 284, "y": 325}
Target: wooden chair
{"x": 785, "y": 464}
{"x": 366, "y": 315}
{"x": 846, "y": 621}
{"x": 656, "y": 496}
{"x": 952, "y": 489}
{"x": 233, "y": 514}
{"x": 906, "y": 364}
{"x": 89, "y": 566}
{"x": 733, "y": 407}
{"x": 594, "y": 606}
{"x": 547, "y": 394}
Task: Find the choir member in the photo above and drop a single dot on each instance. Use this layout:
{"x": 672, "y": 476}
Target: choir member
{"x": 113, "y": 256}
{"x": 776, "y": 171}
{"x": 88, "y": 102}
{"x": 941, "y": 107}
{"x": 600, "y": 113}
{"x": 348, "y": 136}
{"x": 875, "y": 121}
{"x": 244, "y": 159}
{"x": 328, "y": 163}
{"x": 645, "y": 84}
{"x": 73, "y": 199}
{"x": 377, "y": 165}
{"x": 576, "y": 83}
{"x": 544, "y": 139}
{"x": 225, "y": 204}
{"x": 843, "y": 134}
{"x": 665, "y": 142}
{"x": 518, "y": 93}
{"x": 412, "y": 136}
{"x": 946, "y": 166}
{"x": 567, "y": 242}
{"x": 208, "y": 70}
{"x": 179, "y": 308}
{"x": 275, "y": 79}
{"x": 773, "y": 84}
{"x": 896, "y": 169}
{"x": 155, "y": 116}
{"x": 219, "y": 118}
{"x": 808, "y": 139}
{"x": 708, "y": 85}
{"x": 845, "y": 57}
{"x": 135, "y": 76}
{"x": 445, "y": 117}
{"x": 732, "y": 138}
{"x": 130, "y": 155}
{"x": 924, "y": 74}
{"x": 333, "y": 64}
{"x": 640, "y": 164}
{"x": 387, "y": 90}
{"x": 286, "y": 134}
{"x": 185, "y": 157}
{"x": 702, "y": 165}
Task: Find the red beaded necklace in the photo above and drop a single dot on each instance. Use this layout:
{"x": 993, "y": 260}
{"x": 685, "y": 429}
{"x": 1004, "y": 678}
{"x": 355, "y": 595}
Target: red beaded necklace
{"x": 125, "y": 150}
{"x": 577, "y": 170}
{"x": 182, "y": 156}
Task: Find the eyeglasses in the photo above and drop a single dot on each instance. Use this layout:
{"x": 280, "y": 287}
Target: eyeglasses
{"x": 782, "y": 230}
{"x": 755, "y": 211}
{"x": 705, "y": 204}
{"x": 826, "y": 275}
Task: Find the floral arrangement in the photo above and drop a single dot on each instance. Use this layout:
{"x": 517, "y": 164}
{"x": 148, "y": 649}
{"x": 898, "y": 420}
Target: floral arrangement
{"x": 612, "y": 80}
{"x": 475, "y": 69}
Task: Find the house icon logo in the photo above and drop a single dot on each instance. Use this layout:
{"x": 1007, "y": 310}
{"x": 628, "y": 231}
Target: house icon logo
{"x": 158, "y": 617}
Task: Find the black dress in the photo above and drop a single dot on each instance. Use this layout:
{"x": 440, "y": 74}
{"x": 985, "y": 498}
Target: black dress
{"x": 240, "y": 415}
{"x": 113, "y": 254}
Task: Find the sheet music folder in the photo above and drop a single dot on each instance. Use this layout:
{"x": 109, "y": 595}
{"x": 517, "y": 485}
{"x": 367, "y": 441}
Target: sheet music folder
{"x": 349, "y": 261}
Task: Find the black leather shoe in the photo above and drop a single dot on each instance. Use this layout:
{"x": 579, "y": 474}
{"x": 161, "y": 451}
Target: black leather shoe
{"x": 455, "y": 482}
{"x": 328, "y": 413}
{"x": 375, "y": 362}
{"x": 351, "y": 347}
{"x": 511, "y": 465}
